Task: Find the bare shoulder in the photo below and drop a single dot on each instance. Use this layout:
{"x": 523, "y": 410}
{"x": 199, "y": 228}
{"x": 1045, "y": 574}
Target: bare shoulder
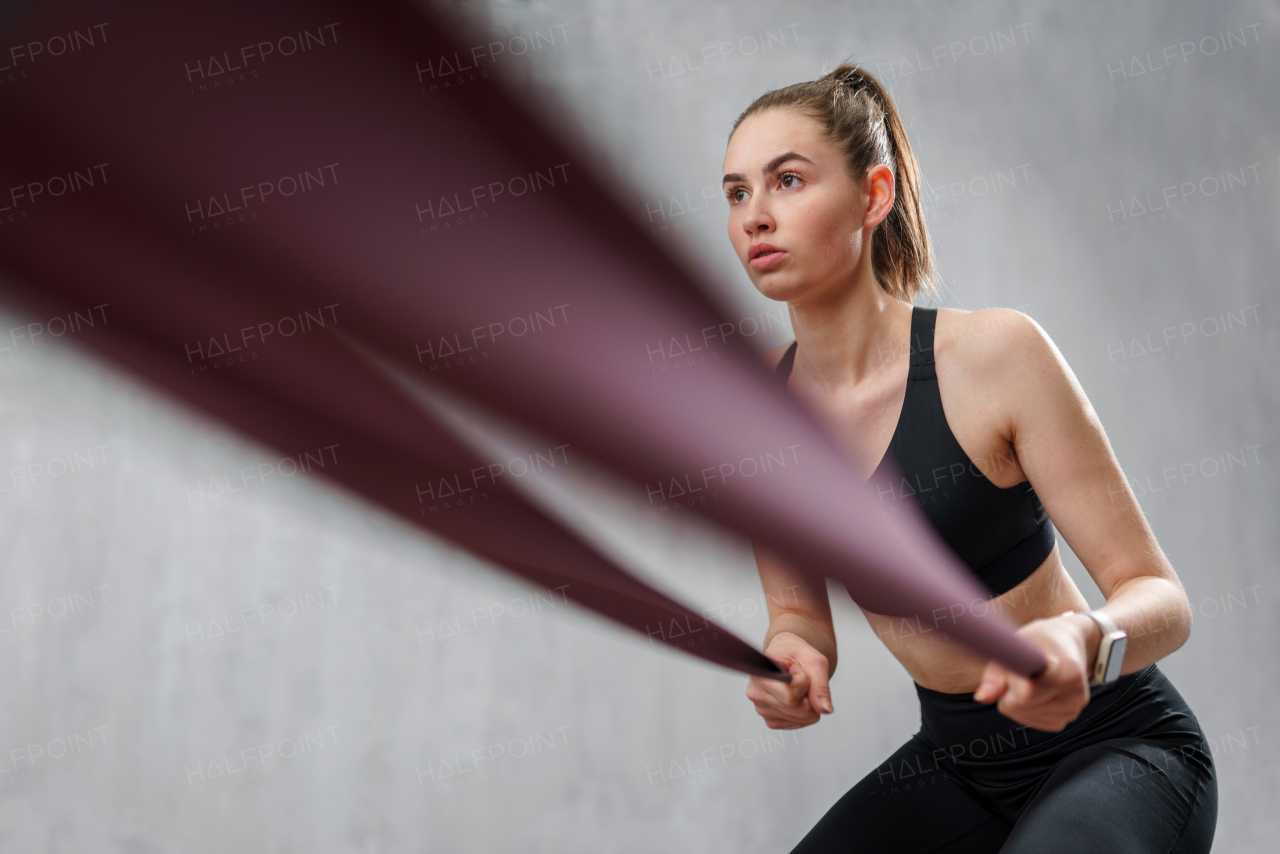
{"x": 993, "y": 342}
{"x": 1002, "y": 363}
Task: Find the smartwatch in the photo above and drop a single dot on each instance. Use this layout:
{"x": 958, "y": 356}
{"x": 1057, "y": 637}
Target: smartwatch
{"x": 1106, "y": 667}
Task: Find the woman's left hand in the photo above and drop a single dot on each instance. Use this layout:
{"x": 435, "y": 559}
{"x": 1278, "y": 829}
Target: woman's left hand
{"x": 1054, "y": 698}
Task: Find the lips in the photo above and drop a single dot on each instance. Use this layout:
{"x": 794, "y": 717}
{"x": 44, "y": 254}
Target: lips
{"x": 760, "y": 249}
{"x": 764, "y": 255}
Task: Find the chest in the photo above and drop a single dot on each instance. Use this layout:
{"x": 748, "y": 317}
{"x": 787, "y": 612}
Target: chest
{"x": 895, "y": 415}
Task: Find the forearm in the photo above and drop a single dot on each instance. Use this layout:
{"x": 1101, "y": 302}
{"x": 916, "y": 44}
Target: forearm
{"x": 820, "y": 637}
{"x": 1153, "y": 612}
{"x": 797, "y": 602}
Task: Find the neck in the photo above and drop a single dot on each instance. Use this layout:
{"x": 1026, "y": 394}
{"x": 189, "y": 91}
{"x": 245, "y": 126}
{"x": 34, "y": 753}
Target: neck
{"x": 850, "y": 333}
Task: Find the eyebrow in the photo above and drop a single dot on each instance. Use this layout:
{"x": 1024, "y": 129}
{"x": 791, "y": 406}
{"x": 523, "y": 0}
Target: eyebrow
{"x": 770, "y": 166}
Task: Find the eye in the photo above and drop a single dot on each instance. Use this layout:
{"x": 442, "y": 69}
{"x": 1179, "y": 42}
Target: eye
{"x": 786, "y": 175}
{"x": 732, "y": 195}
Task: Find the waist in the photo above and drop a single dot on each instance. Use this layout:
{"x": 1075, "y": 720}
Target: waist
{"x": 957, "y": 722}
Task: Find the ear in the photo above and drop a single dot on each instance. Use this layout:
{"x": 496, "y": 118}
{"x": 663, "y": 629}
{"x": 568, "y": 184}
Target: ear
{"x": 881, "y": 190}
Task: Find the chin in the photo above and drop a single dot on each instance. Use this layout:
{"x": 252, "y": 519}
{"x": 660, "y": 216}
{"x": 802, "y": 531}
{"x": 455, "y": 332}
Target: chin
{"x": 779, "y": 288}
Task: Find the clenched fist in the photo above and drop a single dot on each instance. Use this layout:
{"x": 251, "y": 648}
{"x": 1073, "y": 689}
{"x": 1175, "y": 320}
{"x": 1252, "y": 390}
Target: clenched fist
{"x": 801, "y": 702}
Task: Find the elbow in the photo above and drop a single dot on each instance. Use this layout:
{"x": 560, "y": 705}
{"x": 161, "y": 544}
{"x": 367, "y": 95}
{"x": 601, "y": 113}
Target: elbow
{"x": 1178, "y": 618}
{"x": 1186, "y": 616}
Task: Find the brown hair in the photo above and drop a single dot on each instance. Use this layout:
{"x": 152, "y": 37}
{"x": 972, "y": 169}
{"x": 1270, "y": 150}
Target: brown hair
{"x": 859, "y": 116}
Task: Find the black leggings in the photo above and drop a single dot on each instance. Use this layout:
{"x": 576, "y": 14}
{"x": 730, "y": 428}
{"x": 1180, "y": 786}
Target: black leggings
{"x": 1131, "y": 774}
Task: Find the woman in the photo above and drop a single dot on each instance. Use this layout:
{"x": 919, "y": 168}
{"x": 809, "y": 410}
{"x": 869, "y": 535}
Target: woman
{"x": 990, "y": 435}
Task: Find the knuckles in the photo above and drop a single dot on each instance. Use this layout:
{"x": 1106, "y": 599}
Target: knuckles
{"x": 783, "y": 723}
{"x": 1050, "y": 722}
{"x": 785, "y": 706}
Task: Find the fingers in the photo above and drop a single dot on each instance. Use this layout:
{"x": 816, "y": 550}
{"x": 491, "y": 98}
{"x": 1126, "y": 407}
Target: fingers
{"x": 810, "y": 674}
{"x": 1049, "y": 702}
{"x": 802, "y": 701}
{"x": 778, "y": 721}
{"x": 771, "y": 692}
{"x": 819, "y": 693}
{"x": 784, "y": 706}
{"x": 798, "y": 688}
{"x": 994, "y": 684}
{"x": 786, "y": 715}
{"x": 1056, "y": 695}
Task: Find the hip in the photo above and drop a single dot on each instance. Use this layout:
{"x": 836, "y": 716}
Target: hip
{"x": 983, "y": 746}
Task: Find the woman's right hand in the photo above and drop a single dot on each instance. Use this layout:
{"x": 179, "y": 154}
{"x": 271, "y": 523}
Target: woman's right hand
{"x": 798, "y": 703}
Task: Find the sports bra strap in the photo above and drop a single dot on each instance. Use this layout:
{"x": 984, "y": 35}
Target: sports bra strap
{"x": 783, "y": 370}
{"x": 923, "y": 321}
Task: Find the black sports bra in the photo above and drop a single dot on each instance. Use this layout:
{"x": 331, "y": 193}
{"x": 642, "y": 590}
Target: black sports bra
{"x": 1002, "y": 534}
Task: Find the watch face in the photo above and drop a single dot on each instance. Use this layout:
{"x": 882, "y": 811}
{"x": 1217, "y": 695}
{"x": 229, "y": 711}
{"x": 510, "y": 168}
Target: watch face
{"x": 1116, "y": 659}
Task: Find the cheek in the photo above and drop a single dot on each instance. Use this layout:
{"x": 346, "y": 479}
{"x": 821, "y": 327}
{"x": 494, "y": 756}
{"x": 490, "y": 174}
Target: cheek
{"x": 827, "y": 237}
{"x": 853, "y": 244}
{"x": 738, "y": 239}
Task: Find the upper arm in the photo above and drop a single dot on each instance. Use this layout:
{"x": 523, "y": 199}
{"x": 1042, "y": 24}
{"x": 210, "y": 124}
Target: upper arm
{"x": 1062, "y": 448}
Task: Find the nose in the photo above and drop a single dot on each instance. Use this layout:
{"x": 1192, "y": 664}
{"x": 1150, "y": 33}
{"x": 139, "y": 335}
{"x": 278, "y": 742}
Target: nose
{"x": 757, "y": 217}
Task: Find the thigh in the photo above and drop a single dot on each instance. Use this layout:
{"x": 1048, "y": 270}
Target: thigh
{"x": 908, "y": 805}
{"x": 1135, "y": 795}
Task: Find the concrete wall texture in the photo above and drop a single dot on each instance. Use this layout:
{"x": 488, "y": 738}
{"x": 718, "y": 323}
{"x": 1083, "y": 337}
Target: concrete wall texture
{"x": 283, "y": 669}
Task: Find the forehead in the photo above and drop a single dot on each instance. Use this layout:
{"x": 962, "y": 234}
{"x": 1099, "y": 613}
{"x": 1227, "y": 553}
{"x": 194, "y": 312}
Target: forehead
{"x": 762, "y": 135}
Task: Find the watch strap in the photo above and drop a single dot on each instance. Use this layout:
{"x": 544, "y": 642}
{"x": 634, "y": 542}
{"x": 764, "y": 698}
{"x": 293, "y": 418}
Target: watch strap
{"x": 1110, "y": 634}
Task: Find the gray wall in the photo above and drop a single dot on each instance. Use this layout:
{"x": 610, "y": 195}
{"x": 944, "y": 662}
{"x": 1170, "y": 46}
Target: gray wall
{"x": 281, "y": 669}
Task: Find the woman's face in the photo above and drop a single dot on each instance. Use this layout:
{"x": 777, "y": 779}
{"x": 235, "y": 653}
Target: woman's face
{"x": 788, "y": 186}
